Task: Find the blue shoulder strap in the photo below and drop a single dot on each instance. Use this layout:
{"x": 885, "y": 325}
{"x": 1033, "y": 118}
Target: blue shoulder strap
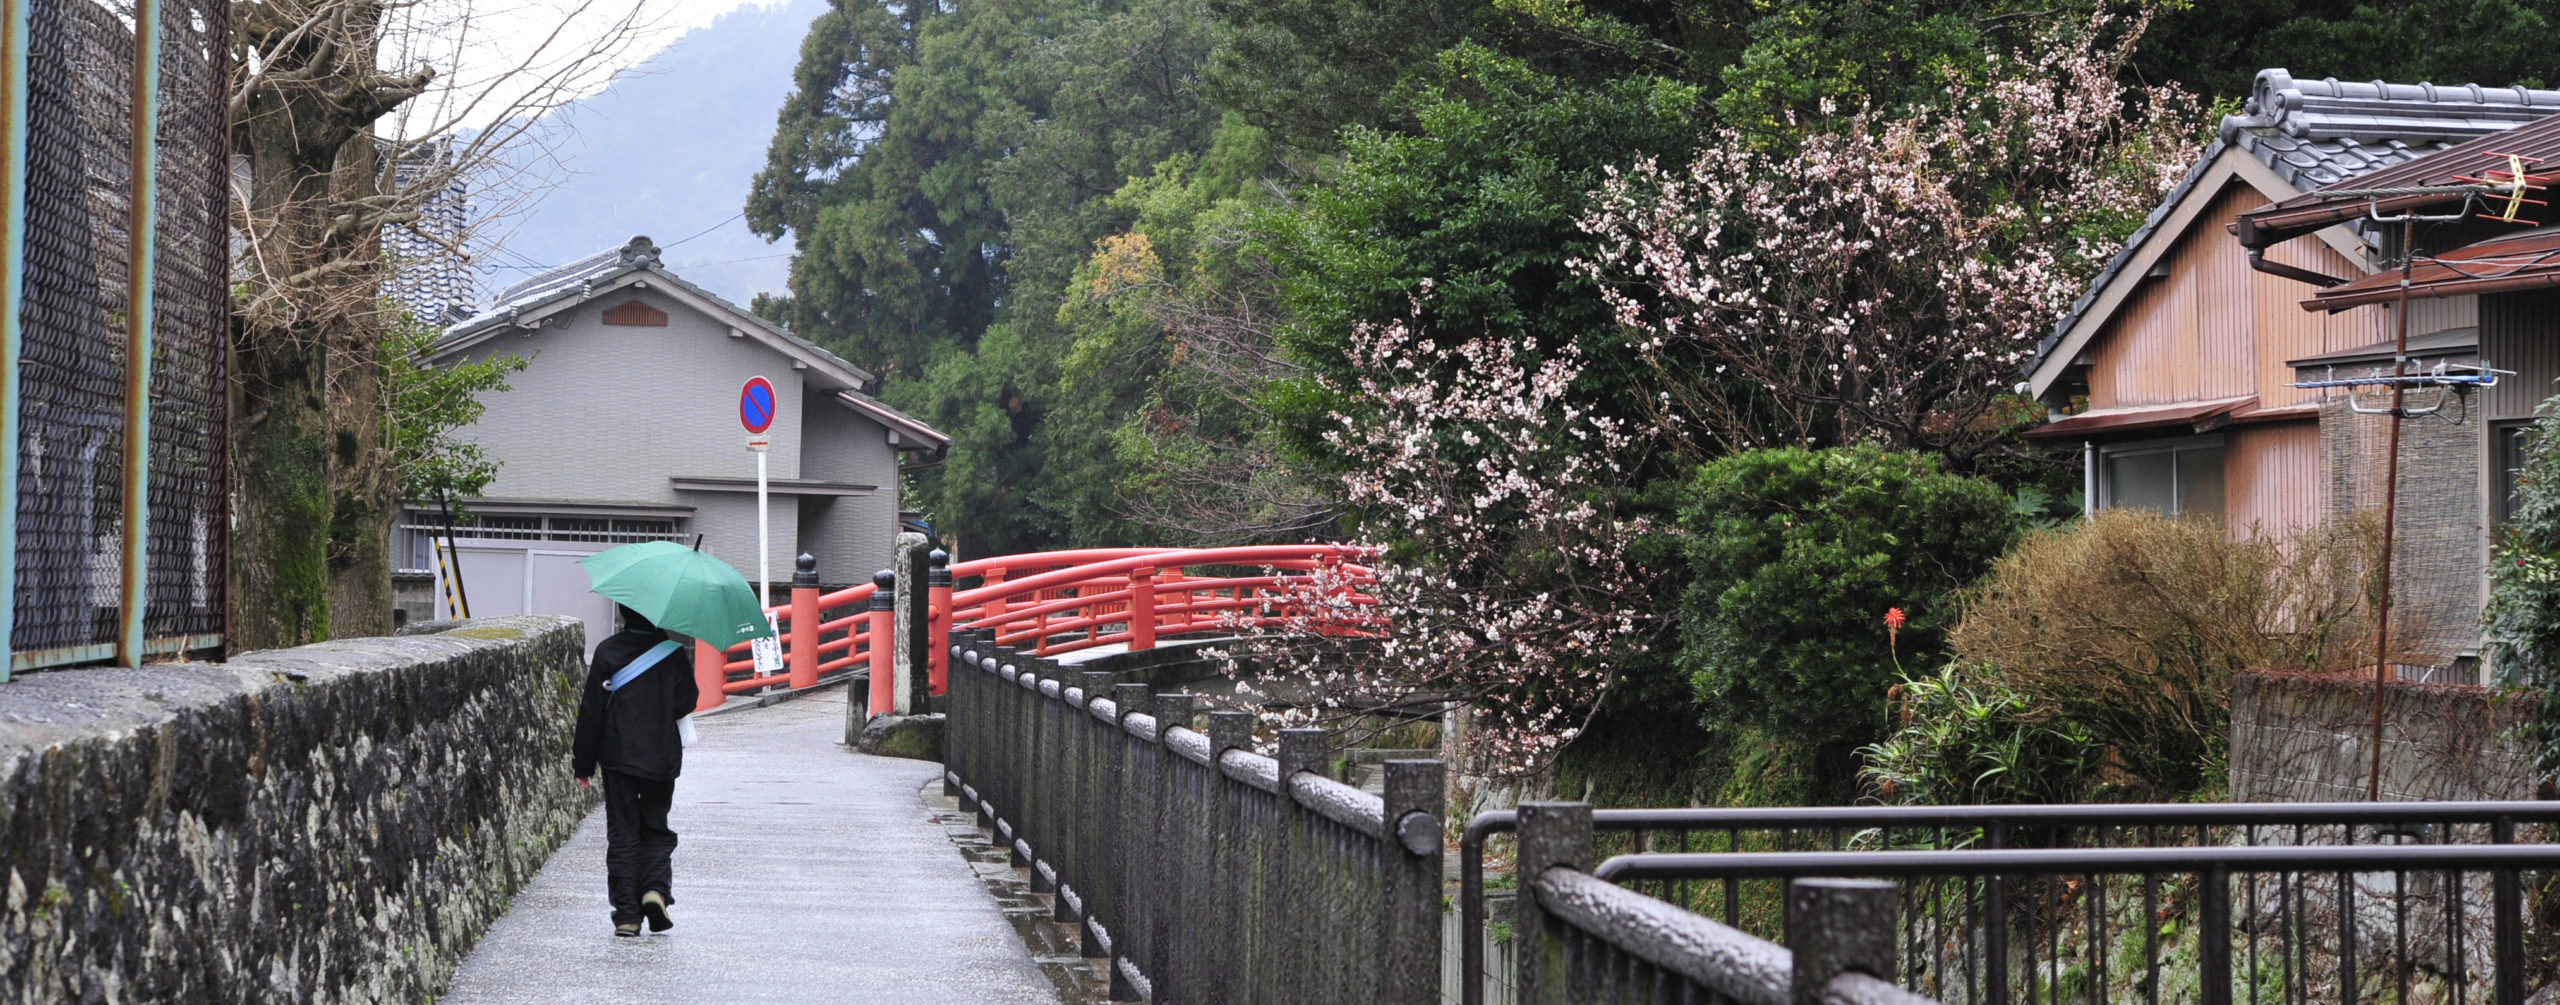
{"x": 644, "y": 662}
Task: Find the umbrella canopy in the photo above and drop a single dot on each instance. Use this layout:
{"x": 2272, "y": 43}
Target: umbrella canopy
{"x": 681, "y": 589}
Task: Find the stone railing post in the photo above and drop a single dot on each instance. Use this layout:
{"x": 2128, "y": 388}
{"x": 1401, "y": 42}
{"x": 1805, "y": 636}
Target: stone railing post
{"x": 803, "y": 643}
{"x": 1409, "y": 954}
{"x": 1301, "y": 890}
{"x": 1835, "y": 927}
{"x": 1550, "y": 835}
{"x": 909, "y": 643}
{"x": 1092, "y": 840}
{"x": 1247, "y": 901}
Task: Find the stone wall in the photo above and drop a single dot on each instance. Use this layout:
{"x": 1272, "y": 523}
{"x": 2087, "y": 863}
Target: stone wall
{"x": 2307, "y": 738}
{"x": 334, "y": 823}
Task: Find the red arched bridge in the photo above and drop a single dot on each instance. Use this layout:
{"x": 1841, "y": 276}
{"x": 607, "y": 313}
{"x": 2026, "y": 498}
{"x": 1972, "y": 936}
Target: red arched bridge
{"x": 1053, "y": 603}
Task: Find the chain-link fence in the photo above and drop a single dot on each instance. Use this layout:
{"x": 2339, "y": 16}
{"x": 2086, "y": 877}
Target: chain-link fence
{"x": 79, "y": 218}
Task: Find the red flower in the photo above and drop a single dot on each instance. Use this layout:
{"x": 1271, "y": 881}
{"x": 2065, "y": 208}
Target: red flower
{"x": 1893, "y": 618}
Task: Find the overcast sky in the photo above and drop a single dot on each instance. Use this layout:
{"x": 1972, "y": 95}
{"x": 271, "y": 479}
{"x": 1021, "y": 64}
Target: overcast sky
{"x": 510, "y": 47}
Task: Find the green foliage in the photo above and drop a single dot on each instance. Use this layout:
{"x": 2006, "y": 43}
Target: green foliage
{"x": 426, "y": 406}
{"x": 1800, "y": 53}
{"x": 946, "y": 169}
{"x": 2522, "y": 619}
{"x": 1480, "y": 201}
{"x": 2217, "y": 47}
{"x": 1796, "y": 555}
{"x": 1303, "y": 69}
{"x": 1960, "y": 742}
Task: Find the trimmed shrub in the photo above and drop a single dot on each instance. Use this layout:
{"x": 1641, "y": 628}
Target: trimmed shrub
{"x": 1795, "y": 557}
{"x": 2130, "y": 624}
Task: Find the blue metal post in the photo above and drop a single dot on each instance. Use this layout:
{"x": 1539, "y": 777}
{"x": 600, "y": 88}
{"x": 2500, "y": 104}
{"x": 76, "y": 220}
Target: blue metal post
{"x": 13, "y": 284}
{"x": 138, "y": 326}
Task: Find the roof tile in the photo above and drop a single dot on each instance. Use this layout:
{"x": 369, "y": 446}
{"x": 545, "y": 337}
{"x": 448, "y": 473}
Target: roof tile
{"x": 2322, "y": 132}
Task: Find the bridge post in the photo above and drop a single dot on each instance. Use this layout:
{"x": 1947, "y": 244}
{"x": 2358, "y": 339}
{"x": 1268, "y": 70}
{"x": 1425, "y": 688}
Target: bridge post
{"x": 992, "y": 612}
{"x": 909, "y": 643}
{"x": 938, "y": 619}
{"x": 880, "y": 626}
{"x": 804, "y": 622}
{"x": 1550, "y": 835}
{"x": 710, "y": 675}
{"x": 1142, "y": 609}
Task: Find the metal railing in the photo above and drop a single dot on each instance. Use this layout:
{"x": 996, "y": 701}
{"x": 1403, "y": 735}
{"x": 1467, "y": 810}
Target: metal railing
{"x": 821, "y": 634}
{"x": 2025, "y": 935}
{"x": 1203, "y": 871}
{"x": 1587, "y": 940}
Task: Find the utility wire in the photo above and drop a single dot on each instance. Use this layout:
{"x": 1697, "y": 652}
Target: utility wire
{"x": 741, "y": 214}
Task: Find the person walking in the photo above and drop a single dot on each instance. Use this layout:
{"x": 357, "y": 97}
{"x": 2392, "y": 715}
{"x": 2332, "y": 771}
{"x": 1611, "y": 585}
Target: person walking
{"x": 639, "y": 684}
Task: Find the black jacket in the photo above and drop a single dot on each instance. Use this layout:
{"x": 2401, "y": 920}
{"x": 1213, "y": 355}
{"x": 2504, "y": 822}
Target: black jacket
{"x": 633, "y": 730}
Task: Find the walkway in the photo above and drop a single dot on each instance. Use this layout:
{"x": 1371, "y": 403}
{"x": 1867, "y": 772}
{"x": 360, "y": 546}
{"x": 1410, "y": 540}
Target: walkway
{"x": 807, "y": 873}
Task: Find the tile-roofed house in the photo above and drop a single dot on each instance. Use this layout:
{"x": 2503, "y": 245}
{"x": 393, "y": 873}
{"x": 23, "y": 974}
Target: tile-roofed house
{"x": 2173, "y": 373}
{"x": 430, "y": 269}
{"x": 2488, "y": 260}
{"x": 2321, "y": 132}
{"x": 625, "y": 426}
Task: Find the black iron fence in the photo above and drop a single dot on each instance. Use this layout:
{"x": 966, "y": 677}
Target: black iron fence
{"x": 1203, "y": 871}
{"x": 114, "y": 272}
{"x": 2166, "y": 903}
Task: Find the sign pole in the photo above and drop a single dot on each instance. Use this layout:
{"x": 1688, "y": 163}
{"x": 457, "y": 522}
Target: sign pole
{"x": 756, "y": 407}
{"x": 764, "y": 537}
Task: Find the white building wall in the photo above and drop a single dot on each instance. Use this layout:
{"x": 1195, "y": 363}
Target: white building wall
{"x": 612, "y": 413}
{"x": 851, "y": 536}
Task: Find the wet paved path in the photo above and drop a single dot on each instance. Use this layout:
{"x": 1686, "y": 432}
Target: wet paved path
{"x": 806, "y": 873}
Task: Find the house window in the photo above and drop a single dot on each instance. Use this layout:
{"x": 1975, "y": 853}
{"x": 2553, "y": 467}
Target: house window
{"x": 2179, "y": 478}
{"x": 2508, "y": 442}
{"x": 423, "y": 527}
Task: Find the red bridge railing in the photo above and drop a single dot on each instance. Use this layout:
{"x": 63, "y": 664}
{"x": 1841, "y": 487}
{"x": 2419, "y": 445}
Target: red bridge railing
{"x": 1056, "y": 602}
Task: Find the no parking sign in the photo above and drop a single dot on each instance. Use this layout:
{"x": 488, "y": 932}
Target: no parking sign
{"x": 755, "y": 405}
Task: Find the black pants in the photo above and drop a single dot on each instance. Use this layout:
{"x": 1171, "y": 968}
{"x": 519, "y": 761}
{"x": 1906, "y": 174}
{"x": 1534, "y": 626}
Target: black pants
{"x": 638, "y": 846}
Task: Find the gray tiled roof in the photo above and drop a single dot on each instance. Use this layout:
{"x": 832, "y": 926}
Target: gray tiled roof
{"x": 2320, "y": 132}
{"x": 595, "y": 270}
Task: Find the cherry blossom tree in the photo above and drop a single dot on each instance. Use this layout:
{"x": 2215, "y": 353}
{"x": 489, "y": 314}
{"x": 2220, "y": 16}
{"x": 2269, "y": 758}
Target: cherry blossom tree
{"x": 1509, "y": 587}
{"x": 1884, "y": 279}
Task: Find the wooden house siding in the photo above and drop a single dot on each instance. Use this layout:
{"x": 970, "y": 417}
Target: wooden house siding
{"x": 2214, "y": 328}
{"x": 2272, "y": 477}
{"x": 2519, "y": 332}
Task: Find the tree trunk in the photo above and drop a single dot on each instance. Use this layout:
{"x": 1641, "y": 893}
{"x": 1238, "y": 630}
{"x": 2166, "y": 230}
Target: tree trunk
{"x": 313, "y": 484}
{"x": 362, "y": 490}
{"x": 280, "y": 573}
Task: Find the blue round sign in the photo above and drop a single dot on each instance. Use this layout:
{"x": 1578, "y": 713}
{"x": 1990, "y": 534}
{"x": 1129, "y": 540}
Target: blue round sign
{"x": 755, "y": 405}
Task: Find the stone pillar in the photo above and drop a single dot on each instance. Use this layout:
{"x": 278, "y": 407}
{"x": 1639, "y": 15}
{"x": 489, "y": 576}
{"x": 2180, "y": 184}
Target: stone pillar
{"x": 910, "y": 686}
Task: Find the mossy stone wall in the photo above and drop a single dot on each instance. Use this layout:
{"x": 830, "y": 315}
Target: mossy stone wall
{"x": 331, "y": 823}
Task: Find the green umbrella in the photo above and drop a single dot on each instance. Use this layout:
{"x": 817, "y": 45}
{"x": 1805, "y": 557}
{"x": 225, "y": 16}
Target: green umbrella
{"x": 681, "y": 589}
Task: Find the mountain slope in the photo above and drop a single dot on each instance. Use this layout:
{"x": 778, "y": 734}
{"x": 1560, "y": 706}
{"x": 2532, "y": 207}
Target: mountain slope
{"x": 668, "y": 150}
